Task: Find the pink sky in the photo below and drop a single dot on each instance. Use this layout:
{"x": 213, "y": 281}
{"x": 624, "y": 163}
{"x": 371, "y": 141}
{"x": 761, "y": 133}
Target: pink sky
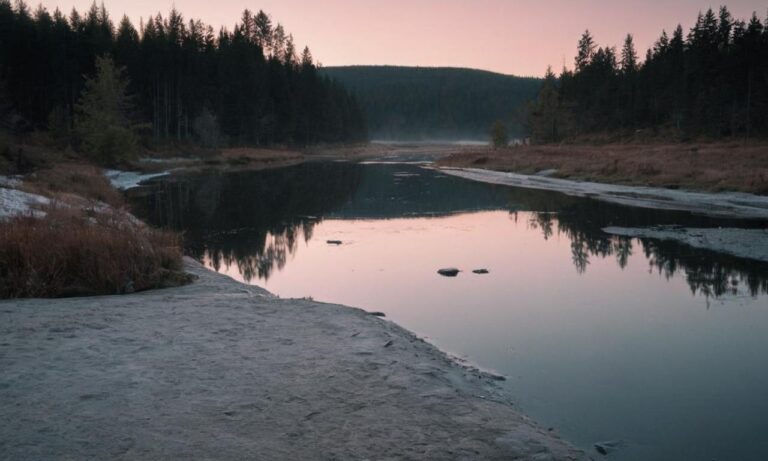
{"x": 508, "y": 36}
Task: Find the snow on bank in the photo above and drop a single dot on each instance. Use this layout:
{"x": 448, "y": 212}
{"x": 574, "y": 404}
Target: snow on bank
{"x": 125, "y": 180}
{"x": 10, "y": 181}
{"x": 722, "y": 205}
{"x": 15, "y": 202}
{"x": 222, "y": 370}
{"x": 743, "y": 243}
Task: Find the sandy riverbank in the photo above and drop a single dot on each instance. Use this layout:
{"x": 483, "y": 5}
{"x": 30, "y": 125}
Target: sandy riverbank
{"x": 221, "y": 370}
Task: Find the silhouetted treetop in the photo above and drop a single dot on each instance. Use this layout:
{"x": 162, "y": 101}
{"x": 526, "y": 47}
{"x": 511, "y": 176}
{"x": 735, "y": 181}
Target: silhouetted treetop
{"x": 711, "y": 82}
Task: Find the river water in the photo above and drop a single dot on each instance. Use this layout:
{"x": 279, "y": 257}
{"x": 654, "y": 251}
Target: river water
{"x": 653, "y": 345}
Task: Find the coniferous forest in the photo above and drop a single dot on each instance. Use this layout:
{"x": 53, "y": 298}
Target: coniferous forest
{"x": 709, "y": 83}
{"x": 184, "y": 81}
{"x": 418, "y": 103}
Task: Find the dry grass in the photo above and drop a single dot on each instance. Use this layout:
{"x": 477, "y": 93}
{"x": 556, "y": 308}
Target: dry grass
{"x": 711, "y": 167}
{"x": 235, "y": 159}
{"x": 80, "y": 179}
{"x": 248, "y": 156}
{"x": 74, "y": 253}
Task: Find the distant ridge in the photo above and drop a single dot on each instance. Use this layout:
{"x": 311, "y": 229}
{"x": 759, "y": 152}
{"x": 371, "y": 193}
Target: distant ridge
{"x": 419, "y": 103}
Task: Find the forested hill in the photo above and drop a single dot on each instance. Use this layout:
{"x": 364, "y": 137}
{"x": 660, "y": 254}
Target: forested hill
{"x": 183, "y": 81}
{"x": 413, "y": 103}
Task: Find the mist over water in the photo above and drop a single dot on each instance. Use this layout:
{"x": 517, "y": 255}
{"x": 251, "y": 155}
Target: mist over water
{"x": 654, "y": 344}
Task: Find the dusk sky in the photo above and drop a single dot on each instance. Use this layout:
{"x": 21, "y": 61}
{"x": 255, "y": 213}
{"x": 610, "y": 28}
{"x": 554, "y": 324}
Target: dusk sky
{"x": 508, "y": 36}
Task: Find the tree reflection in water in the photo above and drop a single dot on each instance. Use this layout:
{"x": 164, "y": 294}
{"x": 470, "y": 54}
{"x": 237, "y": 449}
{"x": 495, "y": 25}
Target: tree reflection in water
{"x": 255, "y": 220}
{"x": 706, "y": 272}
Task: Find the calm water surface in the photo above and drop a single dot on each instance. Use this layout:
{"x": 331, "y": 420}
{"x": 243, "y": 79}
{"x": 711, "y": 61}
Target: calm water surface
{"x": 650, "y": 343}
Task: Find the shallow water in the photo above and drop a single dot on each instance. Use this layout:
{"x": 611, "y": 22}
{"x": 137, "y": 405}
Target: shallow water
{"x": 650, "y": 343}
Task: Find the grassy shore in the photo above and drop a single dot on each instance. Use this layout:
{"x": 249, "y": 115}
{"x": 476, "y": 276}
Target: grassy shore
{"x": 711, "y": 167}
{"x": 78, "y": 238}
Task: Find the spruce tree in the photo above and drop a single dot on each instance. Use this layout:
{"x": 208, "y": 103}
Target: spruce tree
{"x": 628, "y": 56}
{"x": 102, "y": 122}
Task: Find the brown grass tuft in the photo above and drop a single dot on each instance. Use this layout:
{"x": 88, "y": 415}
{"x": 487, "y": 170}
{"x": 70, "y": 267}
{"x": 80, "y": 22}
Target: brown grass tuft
{"x": 79, "y": 179}
{"x": 69, "y": 253}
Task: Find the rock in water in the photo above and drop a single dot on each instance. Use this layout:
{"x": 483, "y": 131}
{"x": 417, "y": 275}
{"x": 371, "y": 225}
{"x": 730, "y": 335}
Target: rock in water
{"x": 333, "y": 242}
{"x": 481, "y": 271}
{"x": 607, "y": 447}
{"x": 449, "y": 272}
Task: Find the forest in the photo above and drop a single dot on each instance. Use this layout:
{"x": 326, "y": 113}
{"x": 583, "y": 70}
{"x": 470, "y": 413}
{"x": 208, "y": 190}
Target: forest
{"x": 177, "y": 80}
{"x": 421, "y": 103}
{"x": 711, "y": 83}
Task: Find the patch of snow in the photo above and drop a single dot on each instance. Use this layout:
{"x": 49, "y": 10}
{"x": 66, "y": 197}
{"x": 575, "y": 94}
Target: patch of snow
{"x": 169, "y": 159}
{"x": 15, "y": 203}
{"x": 125, "y": 180}
{"x": 721, "y": 205}
{"x": 395, "y": 162}
{"x": 546, "y": 173}
{"x": 10, "y": 181}
{"x": 743, "y": 243}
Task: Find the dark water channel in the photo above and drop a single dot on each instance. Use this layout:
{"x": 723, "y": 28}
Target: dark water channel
{"x": 654, "y": 344}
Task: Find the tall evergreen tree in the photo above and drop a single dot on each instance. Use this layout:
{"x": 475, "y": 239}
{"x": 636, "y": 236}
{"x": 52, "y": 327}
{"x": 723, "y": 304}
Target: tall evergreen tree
{"x": 103, "y": 123}
{"x": 628, "y": 56}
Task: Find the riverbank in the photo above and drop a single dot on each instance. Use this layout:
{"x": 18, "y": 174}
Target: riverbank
{"x": 719, "y": 205}
{"x": 222, "y": 370}
{"x": 708, "y": 167}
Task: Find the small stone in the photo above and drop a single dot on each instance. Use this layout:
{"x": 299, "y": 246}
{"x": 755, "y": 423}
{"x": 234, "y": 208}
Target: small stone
{"x": 449, "y": 272}
{"x": 606, "y": 447}
{"x": 377, "y": 314}
{"x": 333, "y": 242}
{"x": 481, "y": 271}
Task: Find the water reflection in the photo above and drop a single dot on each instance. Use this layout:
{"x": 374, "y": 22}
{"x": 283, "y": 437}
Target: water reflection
{"x": 255, "y": 220}
{"x": 598, "y": 335}
{"x": 706, "y": 272}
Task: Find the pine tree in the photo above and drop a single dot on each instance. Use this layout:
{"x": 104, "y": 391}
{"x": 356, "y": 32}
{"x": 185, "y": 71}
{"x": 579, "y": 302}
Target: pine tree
{"x": 102, "y": 122}
{"x": 628, "y": 56}
{"x": 499, "y": 136}
{"x": 586, "y": 51}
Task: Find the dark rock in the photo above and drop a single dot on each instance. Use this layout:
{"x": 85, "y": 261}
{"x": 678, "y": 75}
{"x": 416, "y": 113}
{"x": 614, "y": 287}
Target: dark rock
{"x": 333, "y": 242}
{"x": 605, "y": 448}
{"x": 377, "y": 314}
{"x": 481, "y": 271}
{"x": 449, "y": 272}
{"x": 389, "y": 343}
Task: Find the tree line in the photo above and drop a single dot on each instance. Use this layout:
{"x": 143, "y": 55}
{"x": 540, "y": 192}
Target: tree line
{"x": 185, "y": 83}
{"x": 709, "y": 83}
